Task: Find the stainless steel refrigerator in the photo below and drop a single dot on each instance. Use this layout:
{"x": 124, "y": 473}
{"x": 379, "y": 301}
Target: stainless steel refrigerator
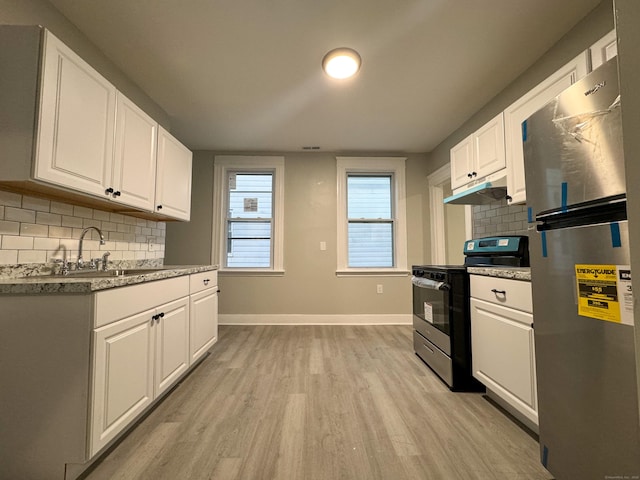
{"x": 581, "y": 280}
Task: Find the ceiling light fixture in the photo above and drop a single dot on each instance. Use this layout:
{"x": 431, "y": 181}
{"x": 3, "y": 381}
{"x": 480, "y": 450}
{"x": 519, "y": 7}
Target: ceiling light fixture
{"x": 341, "y": 63}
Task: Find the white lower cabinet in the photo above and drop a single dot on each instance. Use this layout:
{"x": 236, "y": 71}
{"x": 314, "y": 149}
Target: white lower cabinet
{"x": 204, "y": 313}
{"x": 503, "y": 343}
{"x": 123, "y": 376}
{"x": 137, "y": 358}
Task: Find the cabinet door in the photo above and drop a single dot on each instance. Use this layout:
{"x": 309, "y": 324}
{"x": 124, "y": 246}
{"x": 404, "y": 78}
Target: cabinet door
{"x": 503, "y": 354}
{"x": 173, "y": 180}
{"x": 76, "y": 123}
{"x": 522, "y": 109}
{"x": 488, "y": 145}
{"x": 172, "y": 343}
{"x": 122, "y": 376}
{"x": 604, "y": 49}
{"x": 204, "y": 322}
{"x": 462, "y": 162}
{"x": 134, "y": 168}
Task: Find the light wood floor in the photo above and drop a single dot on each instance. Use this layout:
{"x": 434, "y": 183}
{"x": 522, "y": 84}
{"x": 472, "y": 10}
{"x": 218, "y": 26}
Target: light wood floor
{"x": 325, "y": 403}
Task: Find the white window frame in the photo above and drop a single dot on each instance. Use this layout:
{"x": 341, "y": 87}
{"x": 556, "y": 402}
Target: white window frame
{"x": 222, "y": 165}
{"x": 374, "y": 166}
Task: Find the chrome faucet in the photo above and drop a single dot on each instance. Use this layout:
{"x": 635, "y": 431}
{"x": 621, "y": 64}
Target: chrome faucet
{"x": 80, "y": 261}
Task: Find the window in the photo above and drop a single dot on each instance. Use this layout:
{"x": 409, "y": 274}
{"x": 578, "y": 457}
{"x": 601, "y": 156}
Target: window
{"x": 248, "y": 224}
{"x": 371, "y": 215}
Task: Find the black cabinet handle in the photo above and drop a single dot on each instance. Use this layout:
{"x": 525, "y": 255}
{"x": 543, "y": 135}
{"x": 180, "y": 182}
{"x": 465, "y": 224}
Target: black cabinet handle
{"x": 155, "y": 317}
{"x": 108, "y": 191}
{"x": 218, "y": 291}
{"x": 475, "y": 174}
{"x": 509, "y": 198}
{"x": 206, "y": 281}
{"x": 159, "y": 207}
{"x": 499, "y": 292}
{"x": 161, "y": 315}
{"x": 469, "y": 175}
{"x": 116, "y": 194}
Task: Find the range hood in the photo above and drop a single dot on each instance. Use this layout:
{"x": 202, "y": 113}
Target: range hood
{"x": 480, "y": 194}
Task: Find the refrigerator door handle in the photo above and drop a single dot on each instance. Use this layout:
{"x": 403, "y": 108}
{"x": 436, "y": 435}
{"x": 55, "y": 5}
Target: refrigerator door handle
{"x": 606, "y": 210}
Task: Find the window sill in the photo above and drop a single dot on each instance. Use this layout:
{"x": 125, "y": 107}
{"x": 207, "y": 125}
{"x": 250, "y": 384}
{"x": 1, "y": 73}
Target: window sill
{"x": 372, "y": 272}
{"x": 250, "y": 272}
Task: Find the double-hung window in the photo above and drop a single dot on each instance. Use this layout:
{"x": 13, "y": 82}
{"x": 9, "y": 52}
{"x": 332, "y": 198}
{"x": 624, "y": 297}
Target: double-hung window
{"x": 371, "y": 215}
{"x": 248, "y": 192}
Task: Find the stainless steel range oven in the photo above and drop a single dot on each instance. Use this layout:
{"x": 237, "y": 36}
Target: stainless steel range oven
{"x": 441, "y": 313}
{"x": 442, "y": 331}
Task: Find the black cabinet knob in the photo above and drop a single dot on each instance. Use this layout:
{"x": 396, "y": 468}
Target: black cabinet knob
{"x": 159, "y": 207}
{"x": 161, "y": 315}
{"x": 475, "y": 174}
{"x": 108, "y": 191}
{"x": 116, "y": 194}
{"x": 469, "y": 175}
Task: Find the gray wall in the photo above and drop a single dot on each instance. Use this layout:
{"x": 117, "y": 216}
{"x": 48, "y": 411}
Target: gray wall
{"x": 41, "y": 12}
{"x": 310, "y": 284}
{"x": 593, "y": 27}
{"x": 500, "y": 218}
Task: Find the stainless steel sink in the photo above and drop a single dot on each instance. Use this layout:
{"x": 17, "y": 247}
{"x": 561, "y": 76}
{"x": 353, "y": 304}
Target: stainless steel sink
{"x": 129, "y": 272}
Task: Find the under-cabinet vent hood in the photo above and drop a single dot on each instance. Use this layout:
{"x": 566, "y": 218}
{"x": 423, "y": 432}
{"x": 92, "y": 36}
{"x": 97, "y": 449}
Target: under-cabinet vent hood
{"x": 480, "y": 194}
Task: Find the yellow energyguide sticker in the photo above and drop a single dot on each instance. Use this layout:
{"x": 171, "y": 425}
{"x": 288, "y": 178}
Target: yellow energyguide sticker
{"x": 598, "y": 295}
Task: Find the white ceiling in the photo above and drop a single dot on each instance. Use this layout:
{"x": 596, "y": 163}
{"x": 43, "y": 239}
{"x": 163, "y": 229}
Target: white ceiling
{"x": 245, "y": 74}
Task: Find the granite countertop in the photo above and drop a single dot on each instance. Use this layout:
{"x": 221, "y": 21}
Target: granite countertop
{"x": 52, "y": 284}
{"x": 515, "y": 273}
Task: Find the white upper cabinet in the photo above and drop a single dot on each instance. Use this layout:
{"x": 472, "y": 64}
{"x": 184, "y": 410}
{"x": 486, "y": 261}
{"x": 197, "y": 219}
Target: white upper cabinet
{"x": 480, "y": 154}
{"x": 134, "y": 167}
{"x": 488, "y": 148}
{"x": 524, "y": 107}
{"x": 75, "y": 138}
{"x": 173, "y": 180}
{"x": 462, "y": 162}
{"x": 76, "y": 122}
{"x": 604, "y": 49}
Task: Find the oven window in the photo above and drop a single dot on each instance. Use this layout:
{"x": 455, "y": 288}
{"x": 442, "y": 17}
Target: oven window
{"x": 432, "y": 306}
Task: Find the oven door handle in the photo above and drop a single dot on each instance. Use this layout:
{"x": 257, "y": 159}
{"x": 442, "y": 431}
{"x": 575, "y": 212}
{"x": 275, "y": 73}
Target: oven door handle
{"x": 430, "y": 284}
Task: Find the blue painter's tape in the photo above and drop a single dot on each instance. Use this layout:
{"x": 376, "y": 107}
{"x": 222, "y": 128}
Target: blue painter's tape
{"x": 616, "y": 242}
{"x": 545, "y": 456}
{"x": 543, "y": 237}
{"x": 564, "y": 196}
{"x": 529, "y": 215}
{"x": 524, "y": 131}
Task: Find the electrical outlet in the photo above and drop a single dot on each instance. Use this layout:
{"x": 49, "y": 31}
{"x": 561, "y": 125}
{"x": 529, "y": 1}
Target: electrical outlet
{"x": 379, "y": 289}
{"x": 323, "y": 246}
{"x": 152, "y": 246}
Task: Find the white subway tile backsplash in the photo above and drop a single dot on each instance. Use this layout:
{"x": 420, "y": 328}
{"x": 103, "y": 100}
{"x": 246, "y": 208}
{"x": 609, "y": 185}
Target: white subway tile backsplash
{"x": 15, "y": 242}
{"x": 8, "y": 257}
{"x": 34, "y": 230}
{"x": 9, "y": 228}
{"x": 10, "y": 199}
{"x": 30, "y": 229}
{"x": 74, "y": 222}
{"x": 117, "y": 218}
{"x": 45, "y": 218}
{"x": 61, "y": 208}
{"x": 32, "y": 256}
{"x": 82, "y": 212}
{"x": 32, "y": 203}
{"x": 46, "y": 243}
{"x": 102, "y": 216}
{"x": 20, "y": 215}
{"x": 498, "y": 218}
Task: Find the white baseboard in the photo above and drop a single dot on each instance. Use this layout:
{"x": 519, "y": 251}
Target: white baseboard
{"x": 300, "y": 319}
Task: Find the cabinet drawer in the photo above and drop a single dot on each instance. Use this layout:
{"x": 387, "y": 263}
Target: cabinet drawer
{"x": 502, "y": 291}
{"x": 202, "y": 281}
{"x": 117, "y": 303}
